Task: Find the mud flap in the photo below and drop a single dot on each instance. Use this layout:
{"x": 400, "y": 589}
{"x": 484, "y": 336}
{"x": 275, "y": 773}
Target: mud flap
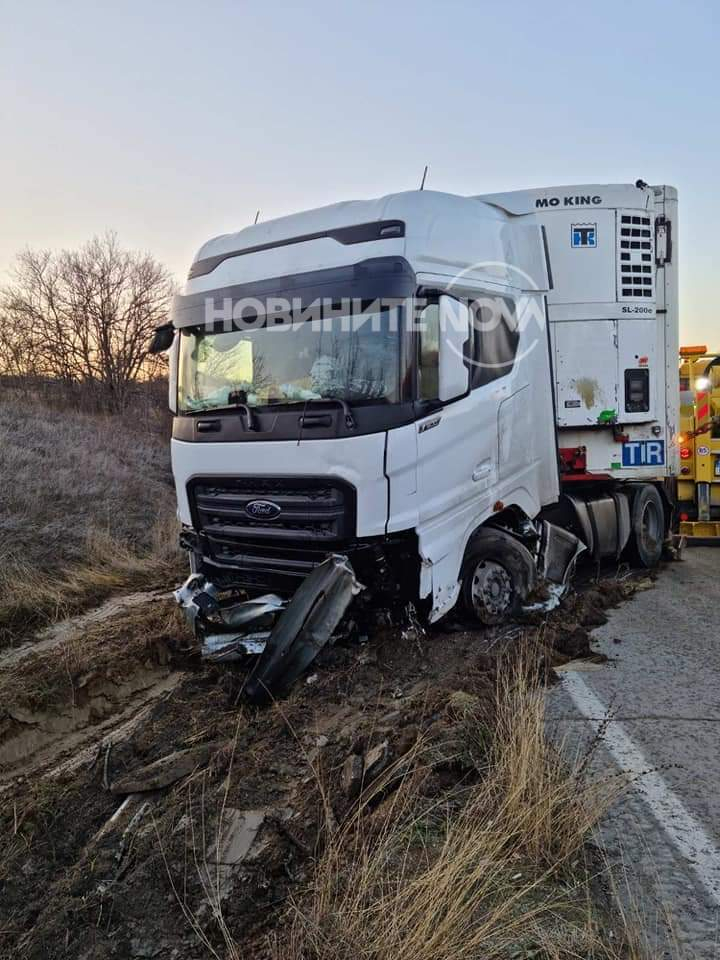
{"x": 559, "y": 550}
{"x": 304, "y": 628}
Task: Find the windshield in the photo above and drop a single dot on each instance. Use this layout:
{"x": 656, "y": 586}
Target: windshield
{"x": 353, "y": 357}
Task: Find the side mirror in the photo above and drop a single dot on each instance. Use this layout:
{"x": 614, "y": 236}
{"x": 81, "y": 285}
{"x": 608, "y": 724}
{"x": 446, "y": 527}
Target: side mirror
{"x": 455, "y": 332}
{"x": 162, "y": 339}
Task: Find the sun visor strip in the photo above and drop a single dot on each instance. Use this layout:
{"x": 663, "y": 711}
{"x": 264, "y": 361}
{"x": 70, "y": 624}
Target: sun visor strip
{"x": 385, "y": 277}
{"x": 358, "y": 233}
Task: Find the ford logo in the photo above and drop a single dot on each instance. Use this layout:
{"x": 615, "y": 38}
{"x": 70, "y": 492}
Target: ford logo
{"x": 262, "y": 510}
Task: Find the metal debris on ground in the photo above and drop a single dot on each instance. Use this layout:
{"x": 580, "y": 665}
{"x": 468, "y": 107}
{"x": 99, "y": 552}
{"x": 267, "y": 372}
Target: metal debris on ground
{"x": 221, "y": 647}
{"x": 227, "y": 630}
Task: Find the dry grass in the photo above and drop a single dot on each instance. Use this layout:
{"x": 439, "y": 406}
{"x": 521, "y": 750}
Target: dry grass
{"x": 145, "y": 636}
{"x": 493, "y": 870}
{"x": 31, "y": 598}
{"x": 86, "y": 507}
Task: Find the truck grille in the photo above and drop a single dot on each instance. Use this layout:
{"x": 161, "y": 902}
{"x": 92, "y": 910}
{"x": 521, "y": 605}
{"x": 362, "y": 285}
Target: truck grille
{"x": 315, "y": 511}
{"x": 636, "y": 267}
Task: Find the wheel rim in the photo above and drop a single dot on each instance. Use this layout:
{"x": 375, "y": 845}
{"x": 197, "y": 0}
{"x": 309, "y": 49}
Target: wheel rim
{"x": 650, "y": 526}
{"x": 491, "y": 588}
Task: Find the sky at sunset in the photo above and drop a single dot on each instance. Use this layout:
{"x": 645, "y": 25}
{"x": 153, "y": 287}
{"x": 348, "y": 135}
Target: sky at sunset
{"x": 172, "y": 122}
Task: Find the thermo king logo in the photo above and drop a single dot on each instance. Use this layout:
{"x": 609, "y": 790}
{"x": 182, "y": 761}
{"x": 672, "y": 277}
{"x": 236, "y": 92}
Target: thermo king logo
{"x": 584, "y": 201}
{"x": 583, "y": 235}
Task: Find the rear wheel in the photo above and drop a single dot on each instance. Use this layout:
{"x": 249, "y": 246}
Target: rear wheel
{"x": 497, "y": 575}
{"x": 647, "y": 521}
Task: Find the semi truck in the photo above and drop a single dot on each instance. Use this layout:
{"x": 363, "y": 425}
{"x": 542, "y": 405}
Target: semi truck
{"x": 455, "y": 394}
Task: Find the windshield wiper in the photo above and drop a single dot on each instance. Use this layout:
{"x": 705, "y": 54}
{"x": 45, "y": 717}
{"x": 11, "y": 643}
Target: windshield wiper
{"x": 234, "y": 400}
{"x": 349, "y": 418}
{"x": 243, "y": 407}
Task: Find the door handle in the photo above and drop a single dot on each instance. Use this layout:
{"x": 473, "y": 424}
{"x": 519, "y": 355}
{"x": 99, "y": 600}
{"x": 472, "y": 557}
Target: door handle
{"x": 482, "y": 470}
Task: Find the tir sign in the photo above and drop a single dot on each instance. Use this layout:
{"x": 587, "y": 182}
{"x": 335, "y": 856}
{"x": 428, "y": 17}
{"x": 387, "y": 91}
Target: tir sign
{"x": 643, "y": 453}
{"x": 583, "y": 235}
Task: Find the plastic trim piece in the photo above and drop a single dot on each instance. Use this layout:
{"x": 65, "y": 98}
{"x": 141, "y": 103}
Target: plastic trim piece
{"x": 304, "y": 628}
{"x": 358, "y": 233}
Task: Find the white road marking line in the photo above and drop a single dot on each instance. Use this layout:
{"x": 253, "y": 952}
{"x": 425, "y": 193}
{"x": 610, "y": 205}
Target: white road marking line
{"x": 685, "y": 831}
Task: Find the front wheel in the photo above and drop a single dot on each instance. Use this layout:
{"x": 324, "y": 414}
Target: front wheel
{"x": 647, "y": 527}
{"x": 497, "y": 575}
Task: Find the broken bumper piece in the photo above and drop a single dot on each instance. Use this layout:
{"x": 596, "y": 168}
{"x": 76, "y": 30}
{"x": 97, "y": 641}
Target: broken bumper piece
{"x": 227, "y": 631}
{"x": 287, "y": 635}
{"x": 222, "y": 647}
{"x": 304, "y": 627}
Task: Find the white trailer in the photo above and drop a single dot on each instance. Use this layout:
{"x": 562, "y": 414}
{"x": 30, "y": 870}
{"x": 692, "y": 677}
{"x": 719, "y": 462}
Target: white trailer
{"x": 446, "y": 390}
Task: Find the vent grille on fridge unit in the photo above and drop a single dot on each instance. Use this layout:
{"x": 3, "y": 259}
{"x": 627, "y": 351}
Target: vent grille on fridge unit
{"x": 636, "y": 269}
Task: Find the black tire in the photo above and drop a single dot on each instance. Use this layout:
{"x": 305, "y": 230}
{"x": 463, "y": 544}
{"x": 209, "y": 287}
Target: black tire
{"x": 497, "y": 575}
{"x": 647, "y": 527}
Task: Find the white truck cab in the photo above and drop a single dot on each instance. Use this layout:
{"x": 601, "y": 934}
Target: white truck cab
{"x": 450, "y": 391}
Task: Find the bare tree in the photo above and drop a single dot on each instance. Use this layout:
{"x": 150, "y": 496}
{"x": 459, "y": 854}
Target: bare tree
{"x": 84, "y": 317}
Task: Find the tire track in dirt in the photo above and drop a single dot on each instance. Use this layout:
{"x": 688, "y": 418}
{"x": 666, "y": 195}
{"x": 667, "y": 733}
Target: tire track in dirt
{"x": 102, "y": 706}
{"x": 32, "y": 742}
{"x": 72, "y": 627}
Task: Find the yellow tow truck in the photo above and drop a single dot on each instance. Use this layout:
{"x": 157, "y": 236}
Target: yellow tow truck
{"x": 699, "y": 442}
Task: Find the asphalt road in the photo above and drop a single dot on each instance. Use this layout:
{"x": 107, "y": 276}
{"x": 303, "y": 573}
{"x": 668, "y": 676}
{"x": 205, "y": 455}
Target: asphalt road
{"x": 656, "y": 706}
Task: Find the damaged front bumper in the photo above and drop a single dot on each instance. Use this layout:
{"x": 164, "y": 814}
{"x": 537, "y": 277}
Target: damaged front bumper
{"x": 286, "y": 634}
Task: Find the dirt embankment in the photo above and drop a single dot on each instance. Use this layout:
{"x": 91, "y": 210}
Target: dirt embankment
{"x": 148, "y": 812}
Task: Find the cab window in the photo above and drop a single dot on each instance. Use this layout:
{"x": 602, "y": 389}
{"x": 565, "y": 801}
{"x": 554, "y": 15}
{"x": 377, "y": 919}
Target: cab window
{"x": 428, "y": 352}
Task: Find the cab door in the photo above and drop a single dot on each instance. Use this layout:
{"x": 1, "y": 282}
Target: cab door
{"x": 457, "y": 446}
